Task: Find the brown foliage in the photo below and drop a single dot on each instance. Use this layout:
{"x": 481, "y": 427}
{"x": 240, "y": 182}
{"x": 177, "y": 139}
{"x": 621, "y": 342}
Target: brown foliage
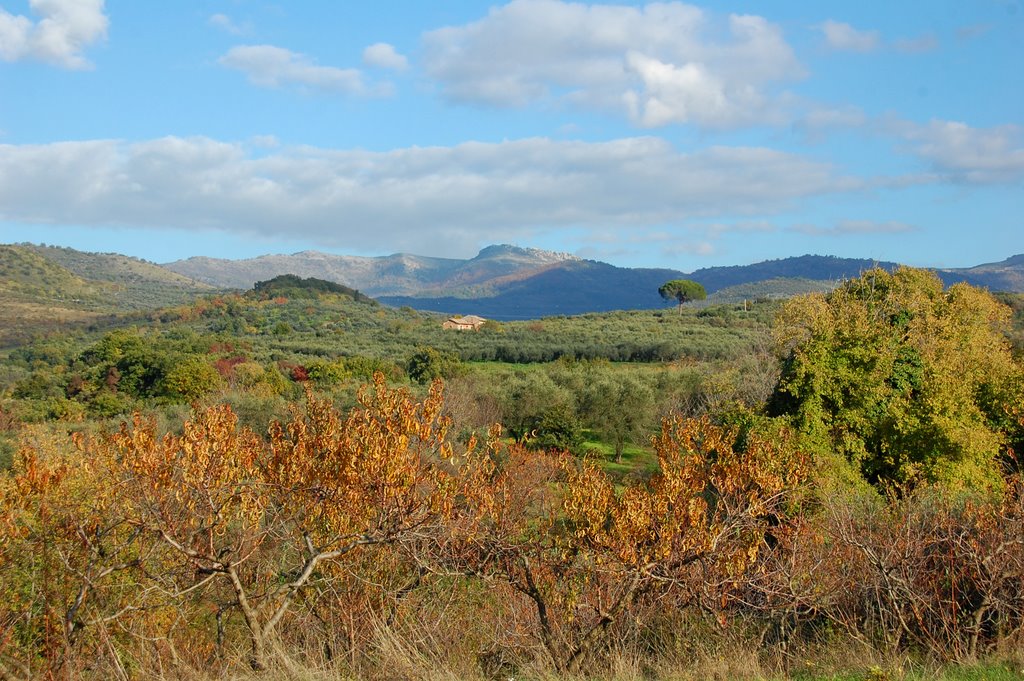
{"x": 370, "y": 538}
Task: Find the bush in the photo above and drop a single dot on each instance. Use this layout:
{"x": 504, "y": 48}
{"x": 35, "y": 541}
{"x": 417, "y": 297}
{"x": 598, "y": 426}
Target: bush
{"x": 428, "y": 364}
{"x": 190, "y": 379}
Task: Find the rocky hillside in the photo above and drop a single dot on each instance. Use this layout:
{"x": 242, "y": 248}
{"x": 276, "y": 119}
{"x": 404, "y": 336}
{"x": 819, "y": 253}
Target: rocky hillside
{"x": 399, "y": 274}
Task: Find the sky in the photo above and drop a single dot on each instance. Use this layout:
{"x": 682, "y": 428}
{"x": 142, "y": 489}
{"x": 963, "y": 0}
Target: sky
{"x": 641, "y": 134}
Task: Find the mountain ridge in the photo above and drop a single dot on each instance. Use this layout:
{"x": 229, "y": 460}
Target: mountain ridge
{"x": 501, "y": 282}
{"x": 511, "y": 282}
{"x": 395, "y": 274}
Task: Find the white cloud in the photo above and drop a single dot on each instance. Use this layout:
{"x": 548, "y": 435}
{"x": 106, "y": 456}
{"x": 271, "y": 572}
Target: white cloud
{"x": 384, "y": 56}
{"x": 843, "y": 37}
{"x": 855, "y": 227}
{"x": 226, "y": 24}
{"x": 430, "y": 200}
{"x": 927, "y": 42}
{"x": 846, "y": 38}
{"x": 959, "y": 152}
{"x": 972, "y": 31}
{"x": 684, "y": 248}
{"x": 660, "y": 63}
{"x": 65, "y": 29}
{"x": 270, "y": 66}
{"x": 819, "y": 120}
{"x": 717, "y": 229}
{"x": 264, "y": 141}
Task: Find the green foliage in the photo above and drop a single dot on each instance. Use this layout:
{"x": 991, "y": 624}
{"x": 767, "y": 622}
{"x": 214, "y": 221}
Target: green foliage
{"x": 363, "y": 368}
{"x": 619, "y": 407}
{"x": 889, "y": 371}
{"x": 8, "y": 445}
{"x": 191, "y": 379}
{"x": 427, "y": 364}
{"x": 325, "y": 373}
{"x": 108, "y": 404}
{"x": 682, "y": 291}
{"x": 559, "y": 428}
{"x": 525, "y": 398}
{"x": 292, "y": 286}
{"x": 1015, "y": 301}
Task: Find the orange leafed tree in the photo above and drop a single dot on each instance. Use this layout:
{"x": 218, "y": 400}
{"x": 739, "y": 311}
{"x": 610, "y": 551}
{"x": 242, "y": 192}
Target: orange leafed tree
{"x": 253, "y": 523}
{"x": 698, "y": 529}
{"x": 70, "y": 557}
{"x": 582, "y": 554}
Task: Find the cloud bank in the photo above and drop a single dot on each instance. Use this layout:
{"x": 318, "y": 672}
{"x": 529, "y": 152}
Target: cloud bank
{"x": 431, "y": 200}
{"x": 957, "y": 152}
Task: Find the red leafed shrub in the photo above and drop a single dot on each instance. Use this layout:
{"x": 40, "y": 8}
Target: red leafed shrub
{"x": 226, "y": 365}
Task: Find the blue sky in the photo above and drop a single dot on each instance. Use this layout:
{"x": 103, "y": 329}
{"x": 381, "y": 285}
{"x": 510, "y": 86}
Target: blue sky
{"x": 642, "y": 134}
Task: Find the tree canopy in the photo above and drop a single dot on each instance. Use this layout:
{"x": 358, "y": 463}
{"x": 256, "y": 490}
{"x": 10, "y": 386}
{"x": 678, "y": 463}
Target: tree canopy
{"x": 293, "y": 286}
{"x": 903, "y": 379}
{"x": 683, "y": 291}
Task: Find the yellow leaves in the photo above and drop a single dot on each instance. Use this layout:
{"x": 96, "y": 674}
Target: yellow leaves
{"x": 707, "y": 500}
{"x": 898, "y": 376}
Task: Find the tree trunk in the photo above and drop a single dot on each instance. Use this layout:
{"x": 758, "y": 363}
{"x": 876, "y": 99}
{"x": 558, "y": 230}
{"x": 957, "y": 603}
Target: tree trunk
{"x": 257, "y": 638}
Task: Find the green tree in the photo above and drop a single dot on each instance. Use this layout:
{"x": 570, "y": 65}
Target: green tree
{"x": 325, "y": 373}
{"x": 682, "y": 291}
{"x": 427, "y": 364}
{"x": 899, "y": 377}
{"x": 619, "y": 408}
{"x": 525, "y": 399}
{"x": 191, "y": 378}
{"x": 128, "y": 362}
{"x": 559, "y": 428}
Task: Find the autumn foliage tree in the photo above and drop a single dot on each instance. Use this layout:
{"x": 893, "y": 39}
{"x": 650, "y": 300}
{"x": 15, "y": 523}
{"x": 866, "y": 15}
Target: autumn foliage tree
{"x": 218, "y": 546}
{"x": 70, "y": 555}
{"x": 583, "y": 555}
{"x": 222, "y": 516}
{"x": 262, "y": 519}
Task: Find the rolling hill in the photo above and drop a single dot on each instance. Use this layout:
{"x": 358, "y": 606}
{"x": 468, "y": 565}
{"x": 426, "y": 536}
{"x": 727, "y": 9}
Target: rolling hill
{"x": 135, "y": 284}
{"x": 37, "y": 295}
{"x": 501, "y": 282}
{"x": 578, "y": 286}
{"x": 45, "y": 288}
{"x": 1006, "y": 275}
{"x": 567, "y": 288}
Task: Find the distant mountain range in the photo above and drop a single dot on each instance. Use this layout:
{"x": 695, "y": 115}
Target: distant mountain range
{"x": 401, "y": 274}
{"x": 501, "y": 282}
{"x": 509, "y": 282}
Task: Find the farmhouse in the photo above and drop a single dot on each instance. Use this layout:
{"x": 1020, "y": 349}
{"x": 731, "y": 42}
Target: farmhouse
{"x": 467, "y": 323}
